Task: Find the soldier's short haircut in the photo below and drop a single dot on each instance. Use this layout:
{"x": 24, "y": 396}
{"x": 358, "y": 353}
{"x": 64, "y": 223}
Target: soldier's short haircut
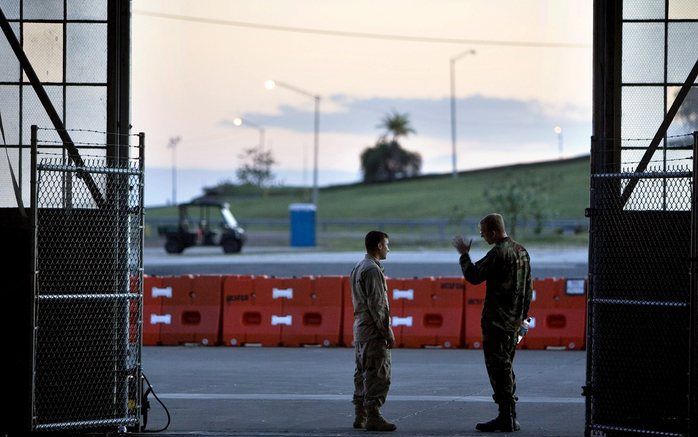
{"x": 493, "y": 222}
{"x": 372, "y": 240}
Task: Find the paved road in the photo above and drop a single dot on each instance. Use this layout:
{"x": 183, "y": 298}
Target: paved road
{"x": 283, "y": 261}
{"x": 307, "y": 392}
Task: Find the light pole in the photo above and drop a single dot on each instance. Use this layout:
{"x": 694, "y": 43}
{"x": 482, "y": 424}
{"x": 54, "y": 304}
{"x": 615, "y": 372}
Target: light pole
{"x": 173, "y": 145}
{"x": 238, "y": 121}
{"x": 558, "y": 131}
{"x": 270, "y": 85}
{"x": 453, "y": 107}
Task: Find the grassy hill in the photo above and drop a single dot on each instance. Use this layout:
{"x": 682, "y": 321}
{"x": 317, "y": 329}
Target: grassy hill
{"x": 565, "y": 182}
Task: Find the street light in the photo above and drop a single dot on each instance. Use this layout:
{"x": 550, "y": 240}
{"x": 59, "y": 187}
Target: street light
{"x": 238, "y": 121}
{"x": 270, "y": 85}
{"x": 453, "y": 107}
{"x": 558, "y": 131}
{"x": 173, "y": 145}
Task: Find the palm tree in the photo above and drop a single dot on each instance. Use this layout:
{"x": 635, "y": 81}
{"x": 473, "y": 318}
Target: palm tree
{"x": 396, "y": 124}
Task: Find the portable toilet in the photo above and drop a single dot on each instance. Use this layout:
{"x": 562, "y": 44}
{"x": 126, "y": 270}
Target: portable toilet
{"x": 302, "y": 224}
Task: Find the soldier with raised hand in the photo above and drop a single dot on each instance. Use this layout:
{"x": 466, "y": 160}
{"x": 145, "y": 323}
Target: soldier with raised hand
{"x": 373, "y": 337}
{"x": 506, "y": 268}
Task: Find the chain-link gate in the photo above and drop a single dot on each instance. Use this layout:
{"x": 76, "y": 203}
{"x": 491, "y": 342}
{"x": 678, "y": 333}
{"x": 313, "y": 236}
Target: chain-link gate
{"x": 639, "y": 299}
{"x": 88, "y": 290}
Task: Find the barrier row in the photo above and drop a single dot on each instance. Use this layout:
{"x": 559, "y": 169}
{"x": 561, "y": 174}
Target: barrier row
{"x": 558, "y": 315}
{"x": 237, "y": 310}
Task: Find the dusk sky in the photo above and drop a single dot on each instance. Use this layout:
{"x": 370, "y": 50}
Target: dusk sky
{"x": 190, "y": 79}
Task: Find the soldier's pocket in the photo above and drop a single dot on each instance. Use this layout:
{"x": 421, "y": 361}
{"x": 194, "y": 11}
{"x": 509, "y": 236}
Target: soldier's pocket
{"x": 384, "y": 368}
{"x": 380, "y": 360}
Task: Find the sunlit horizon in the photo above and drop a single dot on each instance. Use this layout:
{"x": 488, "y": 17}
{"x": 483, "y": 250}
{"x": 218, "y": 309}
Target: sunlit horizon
{"x": 190, "y": 78}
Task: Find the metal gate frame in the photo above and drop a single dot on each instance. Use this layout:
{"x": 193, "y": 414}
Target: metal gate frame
{"x": 602, "y": 296}
{"x": 607, "y": 147}
{"x": 693, "y": 301}
{"x": 87, "y": 259}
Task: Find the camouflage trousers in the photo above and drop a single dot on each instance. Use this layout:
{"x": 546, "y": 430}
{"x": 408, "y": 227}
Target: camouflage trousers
{"x": 499, "y": 348}
{"x": 372, "y": 373}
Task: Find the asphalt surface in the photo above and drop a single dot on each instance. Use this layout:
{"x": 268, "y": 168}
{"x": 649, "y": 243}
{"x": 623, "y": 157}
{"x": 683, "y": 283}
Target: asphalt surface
{"x": 307, "y": 391}
{"x": 286, "y": 262}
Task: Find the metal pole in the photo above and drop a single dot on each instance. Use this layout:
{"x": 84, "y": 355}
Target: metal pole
{"x": 591, "y": 270}
{"x": 454, "y": 157}
{"x": 317, "y": 147}
{"x": 453, "y": 116}
{"x": 262, "y": 146}
{"x": 141, "y": 194}
{"x": 693, "y": 331}
{"x": 559, "y": 144}
{"x": 173, "y": 145}
{"x": 174, "y": 174}
{"x": 34, "y": 264}
{"x": 316, "y": 98}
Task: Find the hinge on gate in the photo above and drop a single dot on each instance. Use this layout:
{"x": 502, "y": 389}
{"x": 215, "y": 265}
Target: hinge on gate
{"x": 588, "y": 212}
{"x": 586, "y": 390}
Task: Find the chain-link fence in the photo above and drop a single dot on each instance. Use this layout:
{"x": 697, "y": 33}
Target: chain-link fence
{"x": 639, "y": 297}
{"x": 88, "y": 288}
{"x": 642, "y": 367}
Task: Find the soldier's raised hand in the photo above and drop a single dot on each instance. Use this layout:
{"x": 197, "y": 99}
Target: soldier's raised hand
{"x": 461, "y": 246}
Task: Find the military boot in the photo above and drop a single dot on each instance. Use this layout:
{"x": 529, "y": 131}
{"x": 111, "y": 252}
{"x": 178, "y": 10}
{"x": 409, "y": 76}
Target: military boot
{"x": 359, "y": 416}
{"x": 517, "y": 425}
{"x": 504, "y": 422}
{"x": 376, "y": 422}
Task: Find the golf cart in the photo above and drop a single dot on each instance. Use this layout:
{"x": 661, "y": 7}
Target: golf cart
{"x": 198, "y": 229}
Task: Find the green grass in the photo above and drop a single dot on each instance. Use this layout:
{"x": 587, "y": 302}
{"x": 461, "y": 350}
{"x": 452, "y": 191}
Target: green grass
{"x": 430, "y": 196}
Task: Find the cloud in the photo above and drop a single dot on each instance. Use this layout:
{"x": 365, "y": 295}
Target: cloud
{"x": 497, "y": 121}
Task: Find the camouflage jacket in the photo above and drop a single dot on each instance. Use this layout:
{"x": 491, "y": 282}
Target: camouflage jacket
{"x": 369, "y": 294}
{"x": 507, "y": 270}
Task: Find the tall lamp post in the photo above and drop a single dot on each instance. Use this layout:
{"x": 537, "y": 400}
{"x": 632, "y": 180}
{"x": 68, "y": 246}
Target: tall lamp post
{"x": 239, "y": 121}
{"x": 270, "y": 85}
{"x": 453, "y": 107}
{"x": 173, "y": 145}
{"x": 558, "y": 131}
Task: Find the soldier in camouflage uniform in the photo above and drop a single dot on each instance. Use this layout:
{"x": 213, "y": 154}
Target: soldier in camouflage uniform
{"x": 373, "y": 337}
{"x": 506, "y": 268}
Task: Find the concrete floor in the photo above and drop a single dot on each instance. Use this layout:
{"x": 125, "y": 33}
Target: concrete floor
{"x": 307, "y": 391}
{"x": 569, "y": 262}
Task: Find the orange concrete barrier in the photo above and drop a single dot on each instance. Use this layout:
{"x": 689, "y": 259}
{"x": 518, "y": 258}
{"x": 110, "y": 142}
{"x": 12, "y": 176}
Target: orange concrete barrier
{"x": 547, "y": 324}
{"x": 474, "y": 301}
{"x": 153, "y": 318}
{"x": 248, "y": 313}
{"x": 193, "y": 313}
{"x": 430, "y": 313}
{"x": 263, "y": 311}
{"x": 559, "y": 315}
{"x": 425, "y": 312}
{"x": 347, "y": 314}
{"x": 572, "y": 305}
{"x": 315, "y": 310}
{"x": 398, "y": 292}
{"x": 395, "y": 310}
{"x": 282, "y": 292}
